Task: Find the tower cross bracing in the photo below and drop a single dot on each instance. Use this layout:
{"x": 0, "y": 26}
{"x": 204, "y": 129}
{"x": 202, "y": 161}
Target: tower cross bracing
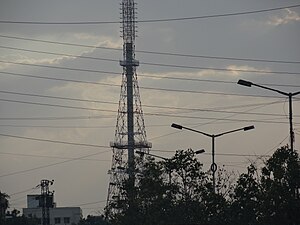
{"x": 130, "y": 133}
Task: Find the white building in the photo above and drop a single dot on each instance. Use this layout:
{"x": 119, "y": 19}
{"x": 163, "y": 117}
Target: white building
{"x": 58, "y": 215}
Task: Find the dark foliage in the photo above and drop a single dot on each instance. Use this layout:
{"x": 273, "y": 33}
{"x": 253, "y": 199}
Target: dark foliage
{"x": 177, "y": 191}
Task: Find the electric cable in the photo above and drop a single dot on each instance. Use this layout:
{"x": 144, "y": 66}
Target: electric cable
{"x": 49, "y": 165}
{"x": 58, "y": 118}
{"x": 51, "y": 157}
{"x": 145, "y": 106}
{"x": 146, "y": 114}
{"x": 20, "y": 192}
{"x": 54, "y": 141}
{"x": 115, "y": 85}
{"x": 155, "y": 52}
{"x": 152, "y": 20}
{"x": 156, "y": 64}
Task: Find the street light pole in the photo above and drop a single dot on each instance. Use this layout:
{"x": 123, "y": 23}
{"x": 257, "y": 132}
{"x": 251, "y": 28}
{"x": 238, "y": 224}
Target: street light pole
{"x": 166, "y": 159}
{"x": 213, "y": 166}
{"x": 290, "y": 95}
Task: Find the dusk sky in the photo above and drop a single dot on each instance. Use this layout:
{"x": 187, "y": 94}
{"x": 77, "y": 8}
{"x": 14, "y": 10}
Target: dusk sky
{"x": 60, "y": 87}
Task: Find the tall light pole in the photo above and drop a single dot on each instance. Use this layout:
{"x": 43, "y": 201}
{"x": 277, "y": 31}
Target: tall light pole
{"x": 213, "y": 166}
{"x": 290, "y": 95}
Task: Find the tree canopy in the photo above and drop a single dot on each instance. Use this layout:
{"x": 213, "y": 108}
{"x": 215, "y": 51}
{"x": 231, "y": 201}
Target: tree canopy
{"x": 177, "y": 191}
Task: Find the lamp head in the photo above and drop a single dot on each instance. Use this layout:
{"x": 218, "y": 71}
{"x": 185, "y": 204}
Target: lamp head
{"x": 177, "y": 126}
{"x": 249, "y": 128}
{"x": 199, "y": 151}
{"x": 245, "y": 83}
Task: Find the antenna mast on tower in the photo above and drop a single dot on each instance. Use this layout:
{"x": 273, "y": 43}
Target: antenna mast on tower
{"x": 130, "y": 131}
{"x": 46, "y": 200}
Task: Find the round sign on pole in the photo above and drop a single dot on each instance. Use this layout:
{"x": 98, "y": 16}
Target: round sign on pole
{"x": 213, "y": 167}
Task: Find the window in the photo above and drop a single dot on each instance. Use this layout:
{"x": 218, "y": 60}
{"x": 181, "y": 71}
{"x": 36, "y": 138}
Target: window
{"x": 66, "y": 220}
{"x": 57, "y": 220}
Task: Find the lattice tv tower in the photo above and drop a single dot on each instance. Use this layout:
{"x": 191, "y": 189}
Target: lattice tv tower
{"x": 130, "y": 131}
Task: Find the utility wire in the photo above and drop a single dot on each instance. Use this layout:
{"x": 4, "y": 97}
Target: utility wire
{"x": 151, "y": 20}
{"x": 54, "y": 141}
{"x": 215, "y": 120}
{"x": 150, "y": 76}
{"x": 101, "y": 117}
{"x": 49, "y": 165}
{"x": 107, "y": 110}
{"x": 146, "y": 106}
{"x": 142, "y": 87}
{"x": 211, "y": 81}
{"x": 20, "y": 192}
{"x": 89, "y": 203}
{"x": 51, "y": 157}
{"x": 63, "y": 127}
{"x": 219, "y": 69}
{"x": 219, "y": 15}
{"x": 57, "y": 105}
{"x": 59, "y": 54}
{"x": 155, "y": 52}
{"x": 156, "y": 64}
{"x": 58, "y": 118}
{"x": 114, "y": 85}
{"x": 60, "y": 67}
{"x": 100, "y": 83}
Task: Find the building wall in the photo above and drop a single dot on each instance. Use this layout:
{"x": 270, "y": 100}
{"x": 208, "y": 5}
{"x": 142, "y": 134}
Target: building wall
{"x": 33, "y": 201}
{"x": 58, "y": 216}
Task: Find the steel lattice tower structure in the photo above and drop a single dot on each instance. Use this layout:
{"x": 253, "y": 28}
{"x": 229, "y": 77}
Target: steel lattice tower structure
{"x": 130, "y": 131}
{"x": 46, "y": 200}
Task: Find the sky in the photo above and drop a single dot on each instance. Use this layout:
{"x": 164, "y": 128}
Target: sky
{"x": 44, "y": 108}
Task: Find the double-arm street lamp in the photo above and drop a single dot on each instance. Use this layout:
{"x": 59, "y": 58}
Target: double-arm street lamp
{"x": 166, "y": 159}
{"x": 161, "y": 157}
{"x": 213, "y": 166}
{"x": 290, "y": 95}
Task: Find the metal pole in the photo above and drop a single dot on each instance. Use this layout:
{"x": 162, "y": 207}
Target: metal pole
{"x": 291, "y": 121}
{"x": 213, "y": 166}
{"x": 290, "y": 95}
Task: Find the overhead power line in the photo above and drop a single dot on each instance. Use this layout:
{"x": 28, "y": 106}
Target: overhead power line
{"x": 57, "y": 105}
{"x": 86, "y": 108}
{"x": 50, "y": 157}
{"x": 60, "y": 67}
{"x": 156, "y": 52}
{"x": 20, "y": 192}
{"x": 151, "y": 20}
{"x": 141, "y": 75}
{"x": 54, "y": 141}
{"x": 149, "y": 88}
{"x": 147, "y": 106}
{"x": 157, "y": 64}
{"x": 57, "y": 118}
{"x": 64, "y": 127}
{"x": 146, "y": 114}
{"x": 101, "y": 117}
{"x": 89, "y": 203}
{"x": 58, "y": 54}
{"x": 212, "y": 81}
{"x": 49, "y": 165}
